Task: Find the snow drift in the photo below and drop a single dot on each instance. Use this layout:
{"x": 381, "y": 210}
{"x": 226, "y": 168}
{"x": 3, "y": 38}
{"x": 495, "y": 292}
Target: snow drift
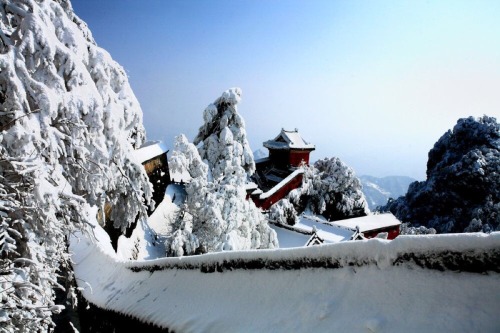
{"x": 412, "y": 284}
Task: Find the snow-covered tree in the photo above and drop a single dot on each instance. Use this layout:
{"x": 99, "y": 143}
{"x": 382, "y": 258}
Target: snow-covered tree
{"x": 462, "y": 190}
{"x": 222, "y": 138}
{"x": 69, "y": 122}
{"x": 186, "y": 160}
{"x": 217, "y": 215}
{"x": 407, "y": 229}
{"x": 331, "y": 188}
{"x": 283, "y": 212}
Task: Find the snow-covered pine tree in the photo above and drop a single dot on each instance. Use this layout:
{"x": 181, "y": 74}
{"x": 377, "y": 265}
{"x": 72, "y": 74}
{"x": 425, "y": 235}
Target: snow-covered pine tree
{"x": 462, "y": 190}
{"x": 219, "y": 216}
{"x": 185, "y": 159}
{"x": 69, "y": 122}
{"x": 407, "y": 229}
{"x": 222, "y": 138}
{"x": 330, "y": 188}
{"x": 283, "y": 212}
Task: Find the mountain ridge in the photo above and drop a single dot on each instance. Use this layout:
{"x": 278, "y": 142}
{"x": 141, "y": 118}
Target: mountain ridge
{"x": 378, "y": 190}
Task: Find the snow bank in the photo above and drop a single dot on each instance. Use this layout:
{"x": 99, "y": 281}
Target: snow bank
{"x": 147, "y": 239}
{"x": 414, "y": 283}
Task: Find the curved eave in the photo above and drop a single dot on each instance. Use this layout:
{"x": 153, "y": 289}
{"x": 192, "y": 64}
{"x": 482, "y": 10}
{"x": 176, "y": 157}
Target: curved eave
{"x": 285, "y": 146}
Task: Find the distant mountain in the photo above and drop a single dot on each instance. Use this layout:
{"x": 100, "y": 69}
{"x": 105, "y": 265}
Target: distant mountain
{"x": 378, "y": 190}
{"x": 260, "y": 153}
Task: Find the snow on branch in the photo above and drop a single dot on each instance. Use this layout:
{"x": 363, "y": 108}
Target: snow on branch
{"x": 216, "y": 215}
{"x": 69, "y": 124}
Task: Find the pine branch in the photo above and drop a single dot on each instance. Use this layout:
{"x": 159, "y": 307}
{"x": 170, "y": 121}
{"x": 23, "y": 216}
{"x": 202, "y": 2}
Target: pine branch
{"x": 11, "y": 123}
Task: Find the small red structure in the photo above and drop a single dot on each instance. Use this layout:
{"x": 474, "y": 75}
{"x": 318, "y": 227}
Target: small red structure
{"x": 281, "y": 172}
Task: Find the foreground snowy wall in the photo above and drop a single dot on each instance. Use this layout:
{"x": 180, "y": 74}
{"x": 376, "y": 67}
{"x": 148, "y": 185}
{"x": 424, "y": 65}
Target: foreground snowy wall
{"x": 412, "y": 284}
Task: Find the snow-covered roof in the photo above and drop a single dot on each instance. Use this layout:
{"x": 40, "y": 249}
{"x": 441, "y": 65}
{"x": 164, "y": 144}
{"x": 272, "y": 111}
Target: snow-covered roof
{"x": 299, "y": 234}
{"x": 257, "y": 192}
{"x": 327, "y": 231}
{"x": 315, "y": 240}
{"x": 251, "y": 186}
{"x": 370, "y": 222}
{"x": 150, "y": 150}
{"x": 288, "y": 238}
{"x": 289, "y": 140}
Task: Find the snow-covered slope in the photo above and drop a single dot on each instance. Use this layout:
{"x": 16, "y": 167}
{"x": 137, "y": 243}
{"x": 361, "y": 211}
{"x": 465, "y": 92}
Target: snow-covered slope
{"x": 378, "y": 190}
{"x": 445, "y": 283}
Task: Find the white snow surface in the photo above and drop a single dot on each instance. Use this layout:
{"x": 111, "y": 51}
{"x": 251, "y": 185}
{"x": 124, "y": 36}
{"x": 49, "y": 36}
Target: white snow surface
{"x": 329, "y": 232}
{"x": 150, "y": 150}
{"x": 369, "y": 222}
{"x": 180, "y": 176}
{"x": 372, "y": 295}
{"x": 289, "y": 238}
{"x": 251, "y": 186}
{"x": 148, "y": 238}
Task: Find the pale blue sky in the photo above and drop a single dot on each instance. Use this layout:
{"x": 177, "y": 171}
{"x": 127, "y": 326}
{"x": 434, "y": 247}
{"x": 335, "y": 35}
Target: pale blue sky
{"x": 375, "y": 83}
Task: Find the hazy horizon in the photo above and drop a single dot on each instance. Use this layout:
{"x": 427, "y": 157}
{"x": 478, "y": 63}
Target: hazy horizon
{"x": 375, "y": 83}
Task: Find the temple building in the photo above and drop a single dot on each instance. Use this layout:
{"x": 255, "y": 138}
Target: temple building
{"x": 281, "y": 172}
